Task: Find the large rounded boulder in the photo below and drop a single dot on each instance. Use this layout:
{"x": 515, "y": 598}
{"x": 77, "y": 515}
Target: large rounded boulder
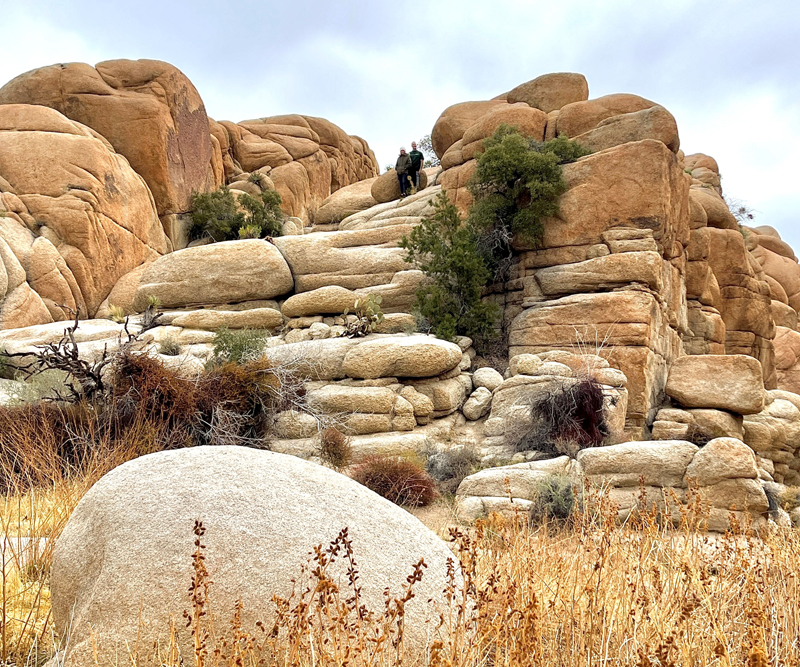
{"x": 122, "y": 568}
{"x": 148, "y": 110}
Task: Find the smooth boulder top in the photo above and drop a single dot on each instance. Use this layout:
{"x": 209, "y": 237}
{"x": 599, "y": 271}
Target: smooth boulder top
{"x": 125, "y": 553}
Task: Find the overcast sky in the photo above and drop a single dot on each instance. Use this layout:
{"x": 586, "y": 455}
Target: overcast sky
{"x": 729, "y": 70}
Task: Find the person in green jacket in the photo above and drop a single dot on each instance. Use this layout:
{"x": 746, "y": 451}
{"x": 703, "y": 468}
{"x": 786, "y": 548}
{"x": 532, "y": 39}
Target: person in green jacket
{"x": 402, "y": 167}
{"x": 417, "y": 158}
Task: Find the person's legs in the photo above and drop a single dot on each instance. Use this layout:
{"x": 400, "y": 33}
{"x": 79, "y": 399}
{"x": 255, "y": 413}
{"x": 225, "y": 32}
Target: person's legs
{"x": 414, "y": 178}
{"x": 403, "y": 183}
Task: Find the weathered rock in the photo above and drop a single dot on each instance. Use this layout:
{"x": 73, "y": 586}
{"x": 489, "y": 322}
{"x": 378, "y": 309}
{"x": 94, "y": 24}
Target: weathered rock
{"x": 447, "y": 395}
{"x": 401, "y": 356}
{"x": 95, "y": 217}
{"x": 524, "y": 364}
{"x": 329, "y": 300}
{"x": 531, "y": 122}
{"x": 455, "y": 120}
{"x": 292, "y": 424}
{"x": 334, "y": 399}
{"x": 739, "y": 494}
{"x": 718, "y": 423}
{"x": 148, "y": 110}
{"x": 263, "y": 513}
{"x": 603, "y": 274}
{"x": 386, "y": 187}
{"x": 255, "y": 318}
{"x": 217, "y": 273}
{"x": 551, "y": 91}
{"x": 662, "y": 463}
{"x": 487, "y": 377}
{"x": 478, "y": 404}
{"x": 721, "y": 459}
{"x": 717, "y": 212}
{"x": 653, "y": 123}
{"x": 346, "y": 201}
{"x": 580, "y": 117}
{"x": 727, "y": 382}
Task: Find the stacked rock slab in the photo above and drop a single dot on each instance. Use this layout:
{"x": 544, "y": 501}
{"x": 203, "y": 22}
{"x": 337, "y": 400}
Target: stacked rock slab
{"x": 636, "y": 477}
{"x": 306, "y": 158}
{"x": 148, "y": 110}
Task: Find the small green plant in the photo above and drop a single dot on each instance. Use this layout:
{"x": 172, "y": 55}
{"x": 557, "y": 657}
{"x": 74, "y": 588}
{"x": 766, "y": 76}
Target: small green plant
{"x": 250, "y": 232}
{"x": 255, "y": 177}
{"x": 396, "y": 479}
{"x": 153, "y": 301}
{"x": 238, "y": 345}
{"x": 335, "y": 448}
{"x": 116, "y": 314}
{"x": 368, "y": 315}
{"x": 221, "y": 215}
{"x": 554, "y": 499}
{"x": 169, "y": 347}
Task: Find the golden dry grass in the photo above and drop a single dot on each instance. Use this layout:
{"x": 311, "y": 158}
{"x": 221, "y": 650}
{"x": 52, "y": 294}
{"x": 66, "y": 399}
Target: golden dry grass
{"x": 584, "y": 593}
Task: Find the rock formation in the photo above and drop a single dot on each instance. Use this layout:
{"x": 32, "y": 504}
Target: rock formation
{"x": 645, "y": 281}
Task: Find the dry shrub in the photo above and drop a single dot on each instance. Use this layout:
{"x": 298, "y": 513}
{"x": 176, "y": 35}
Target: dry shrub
{"x": 399, "y": 480}
{"x": 335, "y": 448}
{"x": 451, "y": 466}
{"x": 699, "y": 436}
{"x": 567, "y": 420}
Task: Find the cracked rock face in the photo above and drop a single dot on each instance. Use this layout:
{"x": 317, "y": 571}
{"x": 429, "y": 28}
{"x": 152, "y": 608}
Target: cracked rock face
{"x": 74, "y": 216}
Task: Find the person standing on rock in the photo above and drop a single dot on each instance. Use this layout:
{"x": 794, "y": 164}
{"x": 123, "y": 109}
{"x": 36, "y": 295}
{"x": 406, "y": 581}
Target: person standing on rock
{"x": 402, "y": 167}
{"x": 417, "y": 159}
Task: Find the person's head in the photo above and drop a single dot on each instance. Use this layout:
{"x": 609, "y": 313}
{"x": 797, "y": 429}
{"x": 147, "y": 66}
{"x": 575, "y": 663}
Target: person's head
{"x": 402, "y": 150}
{"x": 413, "y": 145}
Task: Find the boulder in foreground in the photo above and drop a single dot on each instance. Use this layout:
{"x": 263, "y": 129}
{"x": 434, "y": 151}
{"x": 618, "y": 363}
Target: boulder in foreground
{"x": 126, "y": 552}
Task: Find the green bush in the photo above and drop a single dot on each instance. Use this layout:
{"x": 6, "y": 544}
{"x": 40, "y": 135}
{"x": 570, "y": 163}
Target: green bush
{"x": 169, "y": 347}
{"x": 446, "y": 250}
{"x": 555, "y": 499}
{"x": 221, "y": 214}
{"x": 238, "y": 345}
{"x": 368, "y": 315}
{"x": 516, "y": 185}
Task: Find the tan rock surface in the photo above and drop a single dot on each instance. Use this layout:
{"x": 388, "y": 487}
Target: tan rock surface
{"x": 551, "y": 91}
{"x": 653, "y": 123}
{"x": 148, "y": 110}
{"x": 225, "y": 272}
{"x": 580, "y": 117}
{"x": 91, "y": 208}
{"x": 728, "y": 382}
{"x": 454, "y": 121}
{"x": 660, "y": 463}
{"x": 330, "y": 300}
{"x": 210, "y": 320}
{"x": 386, "y": 187}
{"x": 721, "y": 459}
{"x": 401, "y": 356}
{"x": 263, "y": 512}
{"x": 345, "y": 201}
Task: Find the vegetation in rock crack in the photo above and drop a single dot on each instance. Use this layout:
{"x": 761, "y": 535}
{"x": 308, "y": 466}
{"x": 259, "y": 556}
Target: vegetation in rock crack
{"x": 566, "y": 420}
{"x": 6, "y": 369}
{"x": 516, "y": 185}
{"x": 237, "y": 345}
{"x": 220, "y": 215}
{"x": 446, "y": 250}
{"x": 335, "y": 448}
{"x": 368, "y": 313}
{"x": 116, "y": 314}
{"x": 396, "y": 479}
{"x": 169, "y": 347}
{"x": 555, "y": 500}
{"x": 698, "y": 435}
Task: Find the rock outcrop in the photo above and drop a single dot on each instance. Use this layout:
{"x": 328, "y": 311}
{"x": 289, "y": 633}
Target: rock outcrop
{"x": 74, "y": 217}
{"x": 148, "y": 111}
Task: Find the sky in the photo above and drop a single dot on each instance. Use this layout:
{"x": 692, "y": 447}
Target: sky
{"x": 728, "y": 70}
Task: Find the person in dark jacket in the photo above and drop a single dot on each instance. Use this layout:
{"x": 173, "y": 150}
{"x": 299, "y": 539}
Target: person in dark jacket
{"x": 402, "y": 167}
{"x": 417, "y": 158}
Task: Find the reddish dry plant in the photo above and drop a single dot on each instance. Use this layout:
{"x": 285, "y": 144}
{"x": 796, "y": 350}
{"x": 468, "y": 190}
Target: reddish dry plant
{"x": 398, "y": 480}
{"x": 335, "y": 448}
